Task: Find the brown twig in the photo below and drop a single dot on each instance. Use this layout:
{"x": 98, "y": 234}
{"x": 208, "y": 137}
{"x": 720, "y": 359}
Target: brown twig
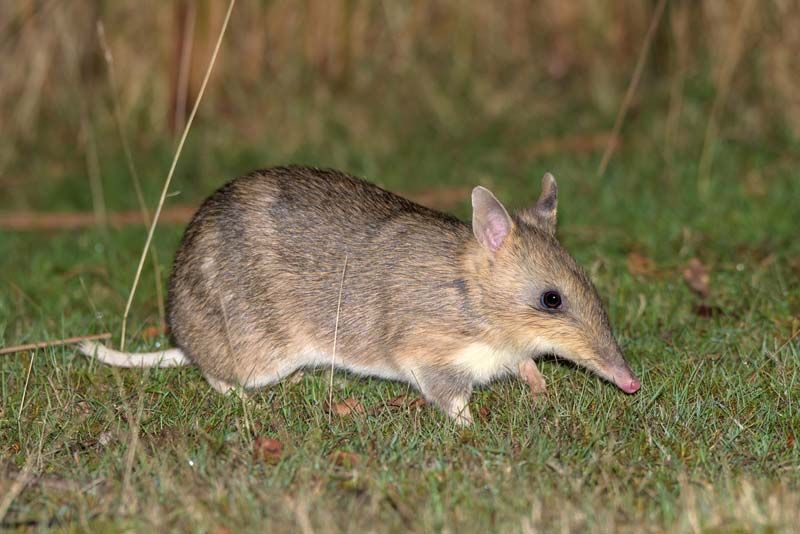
{"x": 34, "y": 221}
{"x": 54, "y": 343}
{"x": 442, "y": 198}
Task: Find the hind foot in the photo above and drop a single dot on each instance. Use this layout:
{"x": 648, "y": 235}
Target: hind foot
{"x": 459, "y": 411}
{"x": 222, "y": 387}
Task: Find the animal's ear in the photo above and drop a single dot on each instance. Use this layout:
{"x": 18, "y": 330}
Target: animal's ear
{"x": 490, "y": 220}
{"x": 543, "y": 213}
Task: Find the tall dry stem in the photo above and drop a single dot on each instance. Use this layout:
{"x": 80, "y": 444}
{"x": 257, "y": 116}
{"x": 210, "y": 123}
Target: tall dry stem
{"x": 734, "y": 53}
{"x": 632, "y": 86}
{"x": 171, "y": 173}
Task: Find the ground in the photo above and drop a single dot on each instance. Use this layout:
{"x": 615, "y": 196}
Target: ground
{"x": 708, "y": 444}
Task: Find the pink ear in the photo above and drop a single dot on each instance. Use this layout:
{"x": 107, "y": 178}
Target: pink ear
{"x": 496, "y": 230}
{"x": 490, "y": 221}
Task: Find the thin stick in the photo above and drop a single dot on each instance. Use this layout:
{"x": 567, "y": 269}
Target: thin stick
{"x": 22, "y": 221}
{"x": 725, "y": 77}
{"x": 174, "y": 164}
{"x": 19, "y": 484}
{"x": 632, "y": 86}
{"x": 54, "y": 343}
{"x": 126, "y": 148}
{"x": 335, "y": 337}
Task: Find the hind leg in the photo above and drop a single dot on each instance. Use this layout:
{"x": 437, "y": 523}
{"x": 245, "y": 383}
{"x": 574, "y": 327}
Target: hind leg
{"x": 447, "y": 388}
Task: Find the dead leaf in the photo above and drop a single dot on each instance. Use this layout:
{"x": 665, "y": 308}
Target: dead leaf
{"x": 406, "y": 401}
{"x": 83, "y": 407}
{"x": 154, "y": 331}
{"x": 696, "y": 276}
{"x": 639, "y": 265}
{"x": 105, "y": 439}
{"x": 347, "y": 406}
{"x": 483, "y": 412}
{"x": 267, "y": 449}
{"x": 707, "y": 311}
{"x": 344, "y": 459}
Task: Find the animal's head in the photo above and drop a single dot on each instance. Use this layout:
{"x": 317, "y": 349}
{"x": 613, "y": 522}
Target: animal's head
{"x": 535, "y": 296}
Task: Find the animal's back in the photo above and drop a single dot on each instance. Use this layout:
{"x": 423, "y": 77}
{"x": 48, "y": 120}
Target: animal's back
{"x": 258, "y": 275}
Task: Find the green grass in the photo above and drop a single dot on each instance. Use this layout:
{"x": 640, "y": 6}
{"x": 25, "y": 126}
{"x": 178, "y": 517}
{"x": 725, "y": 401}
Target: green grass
{"x": 709, "y": 443}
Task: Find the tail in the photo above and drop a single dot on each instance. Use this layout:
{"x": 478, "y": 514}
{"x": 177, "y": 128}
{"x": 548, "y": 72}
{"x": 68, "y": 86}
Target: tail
{"x": 164, "y": 358}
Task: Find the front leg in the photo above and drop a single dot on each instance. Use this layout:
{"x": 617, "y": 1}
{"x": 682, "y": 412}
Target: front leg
{"x": 528, "y": 371}
{"x": 448, "y": 388}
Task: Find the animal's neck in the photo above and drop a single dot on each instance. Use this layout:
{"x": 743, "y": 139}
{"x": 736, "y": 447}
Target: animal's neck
{"x": 475, "y": 268}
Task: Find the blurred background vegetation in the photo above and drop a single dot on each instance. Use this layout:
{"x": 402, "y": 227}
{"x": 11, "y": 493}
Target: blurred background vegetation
{"x": 295, "y": 79}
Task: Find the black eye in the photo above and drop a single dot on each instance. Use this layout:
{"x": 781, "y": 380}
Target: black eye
{"x": 551, "y": 300}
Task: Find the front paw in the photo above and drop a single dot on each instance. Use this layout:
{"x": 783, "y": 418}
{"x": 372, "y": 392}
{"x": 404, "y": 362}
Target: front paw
{"x": 533, "y": 377}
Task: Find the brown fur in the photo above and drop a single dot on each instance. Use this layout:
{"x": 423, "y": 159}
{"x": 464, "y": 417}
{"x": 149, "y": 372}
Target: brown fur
{"x": 255, "y": 288}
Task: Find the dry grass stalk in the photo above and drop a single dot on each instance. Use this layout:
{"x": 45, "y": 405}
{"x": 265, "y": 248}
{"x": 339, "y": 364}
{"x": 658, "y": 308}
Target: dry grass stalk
{"x": 356, "y": 44}
{"x": 171, "y": 173}
{"x": 335, "y": 338}
{"x": 734, "y": 53}
{"x": 679, "y": 24}
{"x": 632, "y": 86}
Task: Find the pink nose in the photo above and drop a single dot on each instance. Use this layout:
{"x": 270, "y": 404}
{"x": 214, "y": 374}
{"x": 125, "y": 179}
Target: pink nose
{"x": 631, "y": 386}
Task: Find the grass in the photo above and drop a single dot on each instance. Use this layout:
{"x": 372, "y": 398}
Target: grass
{"x": 709, "y": 444}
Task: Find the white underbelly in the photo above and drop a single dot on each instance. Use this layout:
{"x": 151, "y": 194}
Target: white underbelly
{"x": 486, "y": 363}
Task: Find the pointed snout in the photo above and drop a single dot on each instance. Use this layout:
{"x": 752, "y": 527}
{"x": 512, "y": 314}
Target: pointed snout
{"x": 625, "y": 380}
